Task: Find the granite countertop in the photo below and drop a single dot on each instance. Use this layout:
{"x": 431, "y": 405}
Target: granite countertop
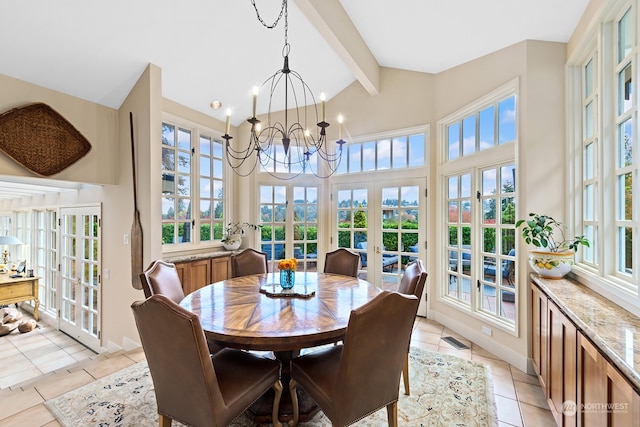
{"x": 613, "y": 330}
{"x": 194, "y": 257}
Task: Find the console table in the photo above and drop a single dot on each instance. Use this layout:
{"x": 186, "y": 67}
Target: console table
{"x": 13, "y": 290}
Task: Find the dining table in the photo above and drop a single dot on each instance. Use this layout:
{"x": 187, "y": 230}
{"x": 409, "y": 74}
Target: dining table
{"x": 255, "y": 313}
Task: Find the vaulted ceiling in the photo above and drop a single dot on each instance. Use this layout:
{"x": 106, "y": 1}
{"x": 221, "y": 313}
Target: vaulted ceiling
{"x": 218, "y": 50}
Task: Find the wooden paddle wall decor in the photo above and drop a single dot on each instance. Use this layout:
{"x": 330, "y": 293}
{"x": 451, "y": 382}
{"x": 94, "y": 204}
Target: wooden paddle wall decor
{"x": 136, "y": 227}
{"x": 40, "y": 139}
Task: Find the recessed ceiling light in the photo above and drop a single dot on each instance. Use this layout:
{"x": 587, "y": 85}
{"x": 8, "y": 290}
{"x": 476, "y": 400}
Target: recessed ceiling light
{"x": 216, "y": 104}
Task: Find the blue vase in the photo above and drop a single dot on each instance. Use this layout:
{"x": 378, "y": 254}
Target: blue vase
{"x": 287, "y": 279}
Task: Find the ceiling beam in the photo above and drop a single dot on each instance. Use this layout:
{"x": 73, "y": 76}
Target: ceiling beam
{"x": 334, "y": 24}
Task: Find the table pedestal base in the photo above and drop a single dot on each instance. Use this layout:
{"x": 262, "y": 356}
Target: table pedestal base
{"x": 260, "y": 411}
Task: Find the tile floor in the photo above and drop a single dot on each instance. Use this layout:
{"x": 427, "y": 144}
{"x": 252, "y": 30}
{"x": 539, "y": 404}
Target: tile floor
{"x": 45, "y": 363}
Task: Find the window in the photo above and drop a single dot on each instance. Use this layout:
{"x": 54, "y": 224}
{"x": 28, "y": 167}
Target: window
{"x": 398, "y": 152}
{"x": 479, "y": 195}
{"x": 603, "y": 111}
{"x": 482, "y": 129}
{"x": 300, "y": 238}
{"x": 192, "y": 186}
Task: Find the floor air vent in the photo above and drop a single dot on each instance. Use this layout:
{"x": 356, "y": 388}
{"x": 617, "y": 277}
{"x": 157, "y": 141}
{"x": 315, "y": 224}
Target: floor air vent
{"x": 455, "y": 343}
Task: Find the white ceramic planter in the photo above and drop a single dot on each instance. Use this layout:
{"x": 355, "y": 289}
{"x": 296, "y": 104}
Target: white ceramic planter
{"x": 233, "y": 242}
{"x": 551, "y": 265}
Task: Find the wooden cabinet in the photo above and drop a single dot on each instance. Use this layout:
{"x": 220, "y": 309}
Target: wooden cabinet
{"x": 605, "y": 397}
{"x": 539, "y": 334}
{"x": 220, "y": 269}
{"x": 198, "y": 273}
{"x": 581, "y": 386}
{"x": 561, "y": 381}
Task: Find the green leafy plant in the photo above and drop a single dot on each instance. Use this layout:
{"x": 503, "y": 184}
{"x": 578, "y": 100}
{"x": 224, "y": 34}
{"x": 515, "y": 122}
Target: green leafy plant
{"x": 543, "y": 231}
{"x": 235, "y": 229}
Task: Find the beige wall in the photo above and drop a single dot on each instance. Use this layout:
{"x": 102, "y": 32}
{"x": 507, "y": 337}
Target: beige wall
{"x": 97, "y": 123}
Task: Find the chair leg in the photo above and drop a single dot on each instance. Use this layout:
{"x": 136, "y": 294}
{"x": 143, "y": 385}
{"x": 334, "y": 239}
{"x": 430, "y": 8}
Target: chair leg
{"x": 294, "y": 402}
{"x": 164, "y": 421}
{"x": 277, "y": 387}
{"x": 392, "y": 414}
{"x": 405, "y": 374}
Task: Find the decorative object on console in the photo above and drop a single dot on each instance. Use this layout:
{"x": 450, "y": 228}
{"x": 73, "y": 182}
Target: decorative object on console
{"x": 233, "y": 233}
{"x": 283, "y": 146}
{"x": 555, "y": 259}
{"x": 40, "y": 139}
{"x": 7, "y": 241}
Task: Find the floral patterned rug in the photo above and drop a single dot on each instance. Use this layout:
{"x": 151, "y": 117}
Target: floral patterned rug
{"x": 445, "y": 391}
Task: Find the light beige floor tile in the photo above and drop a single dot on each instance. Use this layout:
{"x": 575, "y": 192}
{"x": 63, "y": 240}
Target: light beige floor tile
{"x": 498, "y": 367}
{"x": 54, "y": 360}
{"x": 424, "y": 346}
{"x": 426, "y": 337}
{"x": 32, "y": 342}
{"x": 83, "y": 355}
{"x": 534, "y": 416}
{"x": 53, "y": 423}
{"x": 503, "y": 386}
{"x": 19, "y": 376}
{"x": 531, "y": 394}
{"x": 518, "y": 375}
{"x": 18, "y": 401}
{"x": 109, "y": 366}
{"x": 45, "y": 348}
{"x": 62, "y": 382}
{"x": 429, "y": 326}
{"x": 35, "y": 416}
{"x": 508, "y": 411}
{"x": 137, "y": 355}
{"x": 73, "y": 348}
{"x": 7, "y": 349}
{"x": 447, "y": 349}
{"x": 14, "y": 364}
{"x": 479, "y": 351}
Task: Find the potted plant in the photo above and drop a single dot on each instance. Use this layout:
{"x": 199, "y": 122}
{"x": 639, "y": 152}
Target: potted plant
{"x": 555, "y": 258}
{"x": 233, "y": 233}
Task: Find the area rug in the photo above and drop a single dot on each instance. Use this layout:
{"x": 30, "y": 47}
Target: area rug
{"x": 445, "y": 391}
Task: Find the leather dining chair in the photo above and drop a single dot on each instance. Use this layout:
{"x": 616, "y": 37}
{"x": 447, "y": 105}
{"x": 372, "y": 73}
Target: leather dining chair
{"x": 352, "y": 380}
{"x": 248, "y": 262}
{"x": 412, "y": 283}
{"x": 162, "y": 278}
{"x": 342, "y": 261}
{"x": 190, "y": 385}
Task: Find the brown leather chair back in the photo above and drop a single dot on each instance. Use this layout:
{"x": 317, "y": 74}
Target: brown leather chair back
{"x": 413, "y": 280}
{"x": 162, "y": 278}
{"x": 249, "y": 262}
{"x": 179, "y": 362}
{"x": 342, "y": 261}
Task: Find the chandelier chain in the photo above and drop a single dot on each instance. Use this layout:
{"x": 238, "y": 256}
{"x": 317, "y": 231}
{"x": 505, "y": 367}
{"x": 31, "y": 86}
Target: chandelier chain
{"x": 284, "y": 11}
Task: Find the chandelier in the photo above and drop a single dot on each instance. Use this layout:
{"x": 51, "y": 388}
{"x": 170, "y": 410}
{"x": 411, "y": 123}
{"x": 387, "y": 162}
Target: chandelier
{"x": 285, "y": 147}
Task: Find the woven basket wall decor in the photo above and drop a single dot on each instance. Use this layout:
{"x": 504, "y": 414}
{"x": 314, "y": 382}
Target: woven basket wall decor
{"x": 40, "y": 139}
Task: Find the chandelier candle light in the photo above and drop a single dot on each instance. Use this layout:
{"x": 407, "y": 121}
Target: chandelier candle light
{"x": 286, "y": 146}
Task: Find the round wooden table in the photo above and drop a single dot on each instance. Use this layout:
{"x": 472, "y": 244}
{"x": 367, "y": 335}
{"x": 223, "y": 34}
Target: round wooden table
{"x": 236, "y": 314}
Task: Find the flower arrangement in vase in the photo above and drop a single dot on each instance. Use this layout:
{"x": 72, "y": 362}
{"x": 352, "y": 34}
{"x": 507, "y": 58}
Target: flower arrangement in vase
{"x": 287, "y": 269}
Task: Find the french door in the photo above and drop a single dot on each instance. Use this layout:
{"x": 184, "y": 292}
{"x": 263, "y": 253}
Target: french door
{"x": 385, "y": 223}
{"x": 80, "y": 301}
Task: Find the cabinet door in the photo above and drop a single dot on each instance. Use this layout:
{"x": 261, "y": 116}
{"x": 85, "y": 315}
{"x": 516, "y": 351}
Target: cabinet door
{"x": 183, "y": 273}
{"x": 591, "y": 385}
{"x": 561, "y": 381}
{"x": 220, "y": 268}
{"x": 200, "y": 274}
{"x": 539, "y": 335}
{"x": 623, "y": 401}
